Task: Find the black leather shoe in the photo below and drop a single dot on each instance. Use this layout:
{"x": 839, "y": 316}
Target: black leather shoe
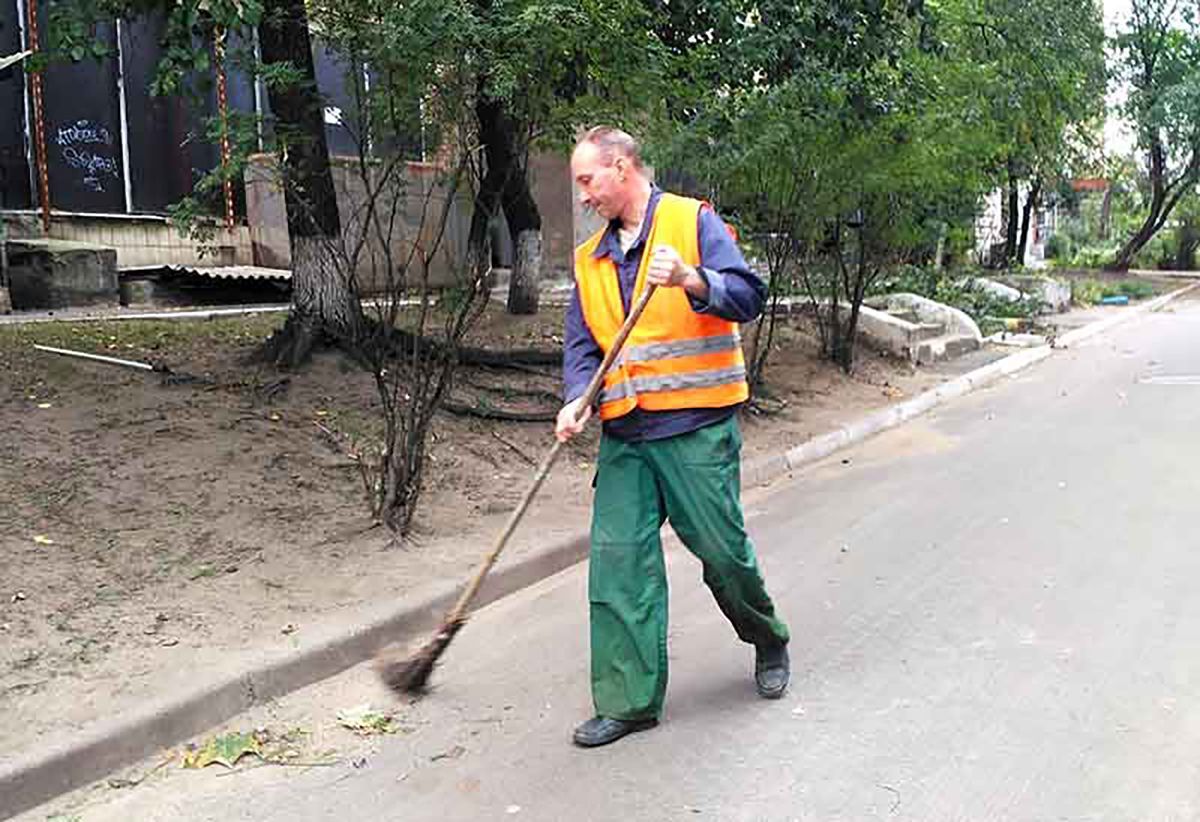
{"x": 772, "y": 670}
{"x": 601, "y": 730}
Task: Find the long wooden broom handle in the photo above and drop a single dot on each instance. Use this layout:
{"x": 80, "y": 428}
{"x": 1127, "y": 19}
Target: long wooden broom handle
{"x": 589, "y": 396}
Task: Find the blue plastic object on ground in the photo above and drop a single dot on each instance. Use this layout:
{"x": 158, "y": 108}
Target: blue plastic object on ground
{"x": 1120, "y": 299}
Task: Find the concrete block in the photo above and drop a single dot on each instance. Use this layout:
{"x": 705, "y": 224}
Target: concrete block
{"x": 1054, "y": 295}
{"x": 888, "y": 332}
{"x": 996, "y": 289}
{"x": 927, "y": 331}
{"x": 48, "y": 274}
{"x": 935, "y": 331}
{"x": 137, "y": 292}
{"x": 954, "y": 321}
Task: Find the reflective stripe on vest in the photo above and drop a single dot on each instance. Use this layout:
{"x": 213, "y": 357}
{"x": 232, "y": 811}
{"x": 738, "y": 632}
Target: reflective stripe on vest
{"x": 673, "y": 382}
{"x": 682, "y": 348}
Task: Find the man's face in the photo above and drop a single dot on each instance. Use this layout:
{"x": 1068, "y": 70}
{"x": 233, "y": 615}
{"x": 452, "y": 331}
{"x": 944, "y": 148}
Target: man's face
{"x": 601, "y": 184}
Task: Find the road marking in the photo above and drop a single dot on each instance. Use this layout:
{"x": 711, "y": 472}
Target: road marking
{"x": 1177, "y": 379}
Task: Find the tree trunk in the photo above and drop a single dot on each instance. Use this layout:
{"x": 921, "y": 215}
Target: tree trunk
{"x": 1106, "y": 213}
{"x": 1143, "y": 235}
{"x": 1010, "y": 222}
{"x": 1031, "y": 202}
{"x": 525, "y": 225}
{"x": 323, "y": 307}
{"x": 507, "y": 184}
{"x": 324, "y": 302}
{"x": 487, "y": 203}
{"x": 857, "y": 291}
{"x": 527, "y": 266}
{"x": 1134, "y": 244}
{"x": 1189, "y": 241}
{"x": 1164, "y": 196}
{"x": 939, "y": 252}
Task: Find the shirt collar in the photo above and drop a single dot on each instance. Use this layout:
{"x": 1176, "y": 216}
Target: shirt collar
{"x": 610, "y": 243}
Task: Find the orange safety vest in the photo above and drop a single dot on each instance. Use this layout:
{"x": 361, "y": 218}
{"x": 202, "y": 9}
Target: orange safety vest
{"x": 674, "y": 358}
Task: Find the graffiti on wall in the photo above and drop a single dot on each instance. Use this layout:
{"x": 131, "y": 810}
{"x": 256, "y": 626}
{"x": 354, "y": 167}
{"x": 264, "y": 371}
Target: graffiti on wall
{"x": 88, "y": 147}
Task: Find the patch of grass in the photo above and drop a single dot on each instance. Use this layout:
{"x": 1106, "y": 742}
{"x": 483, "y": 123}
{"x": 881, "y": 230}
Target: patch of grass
{"x": 140, "y": 336}
{"x": 1132, "y": 289}
{"x": 1090, "y": 292}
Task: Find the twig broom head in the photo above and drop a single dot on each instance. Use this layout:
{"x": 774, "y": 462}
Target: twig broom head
{"x": 410, "y": 675}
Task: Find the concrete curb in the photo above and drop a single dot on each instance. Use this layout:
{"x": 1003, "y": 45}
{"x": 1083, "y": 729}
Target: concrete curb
{"x": 1081, "y": 334}
{"x": 43, "y": 774}
{"x": 771, "y": 468}
{"x": 40, "y": 775}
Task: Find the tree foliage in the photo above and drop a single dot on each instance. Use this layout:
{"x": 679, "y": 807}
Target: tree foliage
{"x": 844, "y": 137}
{"x": 1159, "y": 53}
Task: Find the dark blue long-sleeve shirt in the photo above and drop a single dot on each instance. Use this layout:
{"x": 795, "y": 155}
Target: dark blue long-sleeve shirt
{"x": 734, "y": 293}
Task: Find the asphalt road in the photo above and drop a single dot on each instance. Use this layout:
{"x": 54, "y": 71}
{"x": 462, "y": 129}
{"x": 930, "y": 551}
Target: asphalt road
{"x": 994, "y": 618}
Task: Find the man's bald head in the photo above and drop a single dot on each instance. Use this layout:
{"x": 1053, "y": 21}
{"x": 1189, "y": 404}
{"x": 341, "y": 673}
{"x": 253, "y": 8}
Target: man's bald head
{"x": 609, "y": 175}
{"x": 613, "y": 142}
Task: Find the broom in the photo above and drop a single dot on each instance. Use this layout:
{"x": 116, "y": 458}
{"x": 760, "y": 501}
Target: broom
{"x": 411, "y": 675}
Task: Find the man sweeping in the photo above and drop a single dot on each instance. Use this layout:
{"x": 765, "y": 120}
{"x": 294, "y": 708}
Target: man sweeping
{"x": 670, "y": 445}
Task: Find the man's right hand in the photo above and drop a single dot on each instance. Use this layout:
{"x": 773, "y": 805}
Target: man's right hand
{"x": 567, "y": 426}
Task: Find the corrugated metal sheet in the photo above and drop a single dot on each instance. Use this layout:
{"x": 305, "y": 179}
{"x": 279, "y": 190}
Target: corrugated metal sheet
{"x": 235, "y": 272}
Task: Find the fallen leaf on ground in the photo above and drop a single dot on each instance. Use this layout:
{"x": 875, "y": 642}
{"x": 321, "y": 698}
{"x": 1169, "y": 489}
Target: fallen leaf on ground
{"x": 366, "y": 721}
{"x": 42, "y": 539}
{"x": 287, "y": 747}
{"x": 225, "y": 749}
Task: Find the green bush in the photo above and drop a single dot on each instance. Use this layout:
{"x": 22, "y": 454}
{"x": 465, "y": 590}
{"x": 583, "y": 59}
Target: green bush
{"x": 1060, "y": 246}
{"x": 1086, "y": 292}
{"x": 1094, "y": 256}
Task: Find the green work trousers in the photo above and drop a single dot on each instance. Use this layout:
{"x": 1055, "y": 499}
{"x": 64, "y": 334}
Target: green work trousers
{"x": 692, "y": 480}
